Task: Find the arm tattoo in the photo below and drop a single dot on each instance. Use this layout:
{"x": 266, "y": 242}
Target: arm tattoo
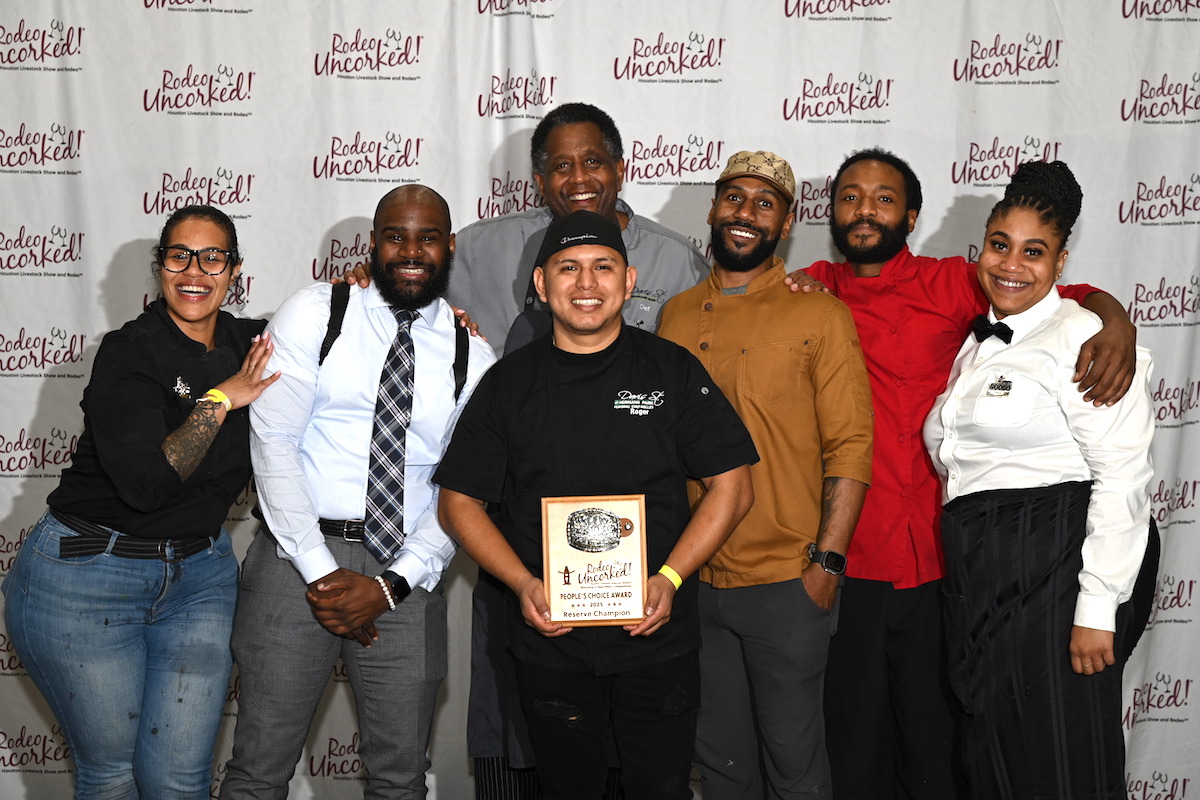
{"x": 828, "y": 503}
{"x": 186, "y": 446}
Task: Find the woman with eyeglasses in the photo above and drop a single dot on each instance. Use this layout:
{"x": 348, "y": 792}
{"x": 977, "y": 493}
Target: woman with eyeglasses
{"x": 121, "y": 601}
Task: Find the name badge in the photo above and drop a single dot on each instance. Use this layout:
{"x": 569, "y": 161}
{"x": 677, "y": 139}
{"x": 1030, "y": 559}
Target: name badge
{"x": 1000, "y": 386}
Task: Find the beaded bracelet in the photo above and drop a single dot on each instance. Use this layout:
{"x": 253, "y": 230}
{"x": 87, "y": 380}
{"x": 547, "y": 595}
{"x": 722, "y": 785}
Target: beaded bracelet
{"x": 387, "y": 592}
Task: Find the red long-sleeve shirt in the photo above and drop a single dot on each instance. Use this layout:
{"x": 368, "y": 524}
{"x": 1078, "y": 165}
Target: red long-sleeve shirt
{"x": 911, "y": 319}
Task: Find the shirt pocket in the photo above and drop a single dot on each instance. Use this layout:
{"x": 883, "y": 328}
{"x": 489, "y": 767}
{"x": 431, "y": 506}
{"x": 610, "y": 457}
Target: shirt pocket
{"x": 773, "y": 371}
{"x": 1005, "y": 401}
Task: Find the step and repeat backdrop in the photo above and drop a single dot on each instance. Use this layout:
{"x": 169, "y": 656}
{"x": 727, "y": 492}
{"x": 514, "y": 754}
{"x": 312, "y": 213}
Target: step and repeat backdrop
{"x": 296, "y": 117}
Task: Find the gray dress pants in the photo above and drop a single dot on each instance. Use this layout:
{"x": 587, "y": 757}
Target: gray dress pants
{"x": 285, "y": 658}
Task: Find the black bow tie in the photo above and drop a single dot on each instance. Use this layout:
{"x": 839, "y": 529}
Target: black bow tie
{"x": 983, "y": 329}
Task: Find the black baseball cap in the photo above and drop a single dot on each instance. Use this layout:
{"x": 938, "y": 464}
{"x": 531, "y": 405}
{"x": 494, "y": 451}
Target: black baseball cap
{"x": 577, "y": 228}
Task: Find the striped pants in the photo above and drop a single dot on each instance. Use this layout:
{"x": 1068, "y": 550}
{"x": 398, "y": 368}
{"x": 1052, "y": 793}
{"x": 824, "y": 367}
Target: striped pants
{"x": 1033, "y": 728}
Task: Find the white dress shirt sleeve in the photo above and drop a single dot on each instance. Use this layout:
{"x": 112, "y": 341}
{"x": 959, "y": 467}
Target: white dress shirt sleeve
{"x": 1115, "y": 442}
{"x": 278, "y": 419}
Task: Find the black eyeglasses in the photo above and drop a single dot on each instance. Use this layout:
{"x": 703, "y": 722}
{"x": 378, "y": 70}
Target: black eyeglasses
{"x": 212, "y": 260}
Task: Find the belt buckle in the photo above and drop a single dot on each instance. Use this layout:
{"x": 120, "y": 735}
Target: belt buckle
{"x": 162, "y": 553}
{"x": 359, "y": 535}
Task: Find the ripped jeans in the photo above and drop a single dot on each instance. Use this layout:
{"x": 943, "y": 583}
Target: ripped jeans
{"x": 650, "y": 713}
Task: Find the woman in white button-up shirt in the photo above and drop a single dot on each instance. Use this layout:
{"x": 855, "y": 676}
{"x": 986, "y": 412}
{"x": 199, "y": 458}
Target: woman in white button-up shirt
{"x": 1047, "y": 527}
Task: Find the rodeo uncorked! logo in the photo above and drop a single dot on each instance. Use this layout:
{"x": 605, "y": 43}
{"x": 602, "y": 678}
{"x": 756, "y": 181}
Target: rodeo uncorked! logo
{"x": 204, "y": 6}
{"x": 993, "y": 163}
{"x": 30, "y": 151}
{"x": 511, "y": 96}
{"x": 1160, "y": 10}
{"x": 504, "y": 8}
{"x": 1165, "y": 304}
{"x": 1003, "y": 61}
{"x": 338, "y": 761}
{"x": 27, "y": 749}
{"x": 197, "y": 92}
{"x": 664, "y": 60}
{"x": 1169, "y": 499}
{"x": 834, "y": 100}
{"x": 340, "y": 257}
{"x": 1172, "y": 595}
{"x": 25, "y": 456}
{"x": 1162, "y": 699}
{"x": 10, "y": 546}
{"x": 20, "y": 353}
{"x": 1163, "y": 202}
{"x": 226, "y": 188}
{"x": 832, "y": 9}
{"x": 1165, "y": 100}
{"x": 370, "y": 57}
{"x": 814, "y": 201}
{"x": 1174, "y": 402}
{"x": 25, "y": 251}
{"x": 674, "y": 162}
{"x": 1159, "y": 786}
{"x": 29, "y": 47}
{"x": 365, "y": 158}
{"x": 509, "y": 195}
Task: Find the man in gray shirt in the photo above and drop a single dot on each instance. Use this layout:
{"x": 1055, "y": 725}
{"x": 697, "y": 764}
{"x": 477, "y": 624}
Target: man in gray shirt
{"x": 578, "y": 164}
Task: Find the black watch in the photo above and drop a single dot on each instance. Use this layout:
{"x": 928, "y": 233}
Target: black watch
{"x": 831, "y": 562}
{"x": 399, "y": 584}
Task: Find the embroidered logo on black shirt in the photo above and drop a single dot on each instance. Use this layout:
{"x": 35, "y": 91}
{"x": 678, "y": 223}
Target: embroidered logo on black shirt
{"x": 638, "y": 404}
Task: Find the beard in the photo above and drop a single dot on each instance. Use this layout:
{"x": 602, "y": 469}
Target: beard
{"x": 404, "y": 297}
{"x": 891, "y": 241}
{"x": 732, "y": 260}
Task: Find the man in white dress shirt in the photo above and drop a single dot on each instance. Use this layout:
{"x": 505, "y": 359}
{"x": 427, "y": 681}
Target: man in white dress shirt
{"x": 317, "y": 584}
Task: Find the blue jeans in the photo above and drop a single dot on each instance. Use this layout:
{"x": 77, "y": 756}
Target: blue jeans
{"x": 132, "y": 657}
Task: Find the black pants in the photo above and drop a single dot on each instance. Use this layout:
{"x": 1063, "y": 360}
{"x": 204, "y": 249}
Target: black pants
{"x": 1033, "y": 728}
{"x": 889, "y": 713}
{"x": 650, "y": 712}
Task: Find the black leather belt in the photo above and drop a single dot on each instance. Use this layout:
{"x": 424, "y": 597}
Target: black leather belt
{"x": 349, "y": 529}
{"x": 93, "y": 540}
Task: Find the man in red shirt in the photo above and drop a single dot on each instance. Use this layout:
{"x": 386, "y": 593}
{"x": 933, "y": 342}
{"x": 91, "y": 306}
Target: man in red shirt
{"x": 889, "y": 713}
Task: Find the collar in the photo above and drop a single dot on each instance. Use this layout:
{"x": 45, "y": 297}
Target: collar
{"x": 372, "y": 300}
{"x": 774, "y": 274}
{"x": 1031, "y": 317}
{"x": 892, "y": 267}
{"x": 158, "y": 310}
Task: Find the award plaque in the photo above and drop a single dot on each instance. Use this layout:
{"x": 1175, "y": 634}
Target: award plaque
{"x": 594, "y": 558}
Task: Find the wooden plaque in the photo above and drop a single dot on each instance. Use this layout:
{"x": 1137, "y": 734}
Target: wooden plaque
{"x": 594, "y": 559}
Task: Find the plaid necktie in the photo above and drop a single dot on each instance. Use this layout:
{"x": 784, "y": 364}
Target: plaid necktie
{"x": 384, "y": 524}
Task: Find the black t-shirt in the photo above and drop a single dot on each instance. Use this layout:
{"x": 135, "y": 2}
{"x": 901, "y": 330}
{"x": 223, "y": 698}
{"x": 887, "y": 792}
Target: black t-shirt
{"x": 639, "y": 417}
{"x": 145, "y": 381}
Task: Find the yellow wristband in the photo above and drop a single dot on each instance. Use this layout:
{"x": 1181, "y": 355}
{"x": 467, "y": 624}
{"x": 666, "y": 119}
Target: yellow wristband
{"x": 671, "y": 575}
{"x": 217, "y": 396}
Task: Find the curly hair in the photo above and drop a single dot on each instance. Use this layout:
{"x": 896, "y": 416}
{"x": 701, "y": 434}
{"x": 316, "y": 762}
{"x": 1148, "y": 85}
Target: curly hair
{"x": 1048, "y": 188}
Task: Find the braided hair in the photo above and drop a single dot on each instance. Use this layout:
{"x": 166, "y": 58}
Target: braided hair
{"x": 1047, "y": 188}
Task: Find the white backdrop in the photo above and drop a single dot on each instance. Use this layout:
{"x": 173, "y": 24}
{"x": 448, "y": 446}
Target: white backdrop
{"x": 296, "y": 117}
